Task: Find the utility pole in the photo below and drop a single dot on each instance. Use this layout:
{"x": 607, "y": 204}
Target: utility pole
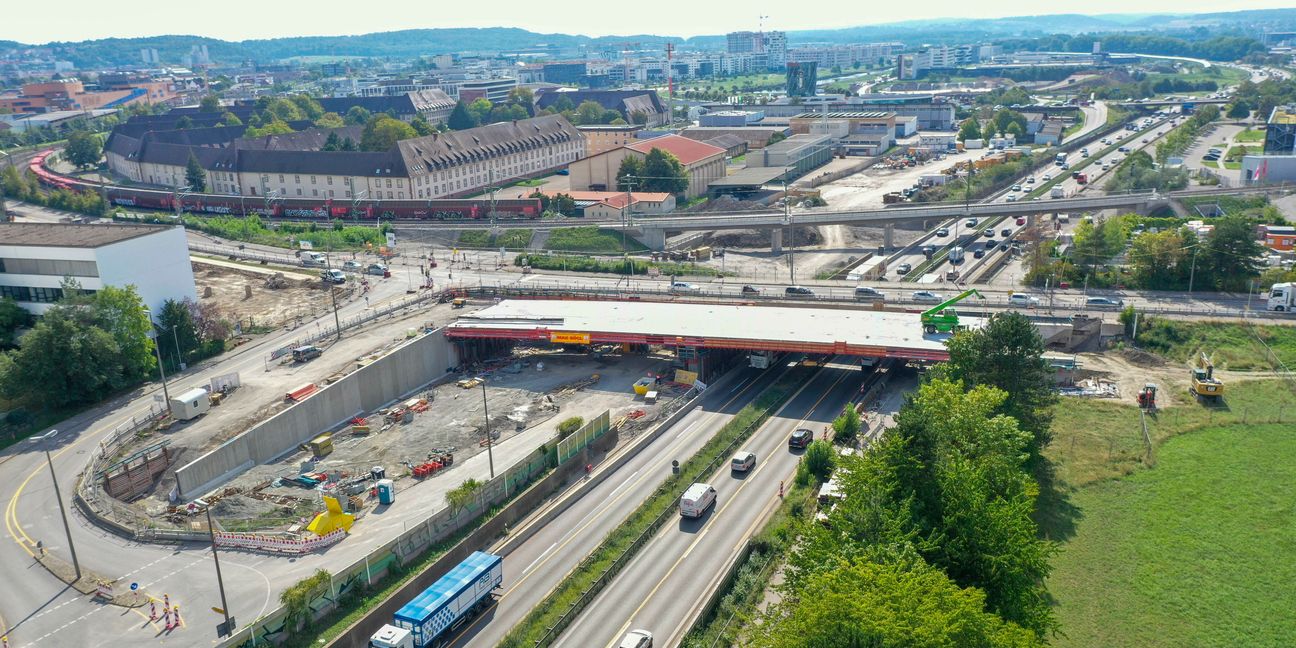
{"x": 490, "y": 456}
{"x": 787, "y": 218}
{"x": 76, "y": 565}
{"x": 220, "y": 581}
{"x": 337, "y": 323}
{"x": 1192, "y": 272}
{"x": 153, "y": 335}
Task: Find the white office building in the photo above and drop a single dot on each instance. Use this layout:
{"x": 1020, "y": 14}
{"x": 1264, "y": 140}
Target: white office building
{"x": 36, "y": 257}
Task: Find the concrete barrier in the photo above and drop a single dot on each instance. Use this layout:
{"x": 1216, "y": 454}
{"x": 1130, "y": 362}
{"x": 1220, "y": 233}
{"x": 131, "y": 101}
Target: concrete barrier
{"x": 405, "y": 369}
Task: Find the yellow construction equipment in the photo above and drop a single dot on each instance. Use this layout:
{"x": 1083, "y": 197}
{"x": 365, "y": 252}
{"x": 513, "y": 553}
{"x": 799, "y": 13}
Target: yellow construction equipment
{"x": 1205, "y": 386}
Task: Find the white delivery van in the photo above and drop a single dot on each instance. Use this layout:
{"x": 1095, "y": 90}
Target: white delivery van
{"x": 696, "y": 500}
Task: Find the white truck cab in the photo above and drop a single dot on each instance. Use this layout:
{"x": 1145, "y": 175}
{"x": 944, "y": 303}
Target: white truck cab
{"x": 1282, "y": 297}
{"x": 390, "y": 636}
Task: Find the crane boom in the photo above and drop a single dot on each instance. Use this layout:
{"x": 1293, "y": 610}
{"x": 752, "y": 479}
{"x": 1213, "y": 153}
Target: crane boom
{"x": 950, "y": 302}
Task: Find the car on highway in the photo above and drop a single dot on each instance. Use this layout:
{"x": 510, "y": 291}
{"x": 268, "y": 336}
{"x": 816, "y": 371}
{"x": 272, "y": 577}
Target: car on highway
{"x": 1048, "y": 176}
{"x": 696, "y": 500}
{"x": 1065, "y": 166}
{"x": 751, "y": 290}
{"x": 1021, "y": 220}
{"x": 1104, "y": 302}
{"x": 685, "y": 287}
{"x": 978, "y": 253}
{"x": 944, "y": 231}
{"x": 742, "y": 461}
{"x": 797, "y": 291}
{"x": 635, "y": 638}
{"x": 353, "y": 266}
{"x": 926, "y": 297}
{"x": 1011, "y": 198}
{"x": 868, "y": 293}
{"x": 904, "y": 269}
{"x": 1030, "y": 180}
{"x": 1005, "y": 232}
{"x": 1145, "y": 140}
{"x": 971, "y": 222}
{"x": 988, "y": 233}
{"x": 333, "y": 276}
{"x": 800, "y": 438}
{"x": 378, "y": 269}
{"x": 1015, "y": 187}
{"x": 1024, "y": 300}
{"x": 990, "y": 245}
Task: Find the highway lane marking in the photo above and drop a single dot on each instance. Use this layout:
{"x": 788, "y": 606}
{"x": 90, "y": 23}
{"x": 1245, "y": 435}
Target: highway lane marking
{"x": 581, "y": 527}
{"x": 538, "y": 558}
{"x": 627, "y": 481}
{"x": 616, "y": 637}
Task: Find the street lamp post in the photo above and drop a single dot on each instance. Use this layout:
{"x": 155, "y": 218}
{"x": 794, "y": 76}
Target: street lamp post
{"x": 337, "y": 322}
{"x": 220, "y": 581}
{"x": 490, "y": 456}
{"x": 76, "y": 565}
{"x": 1192, "y": 272}
{"x": 787, "y": 218}
{"x": 153, "y": 335}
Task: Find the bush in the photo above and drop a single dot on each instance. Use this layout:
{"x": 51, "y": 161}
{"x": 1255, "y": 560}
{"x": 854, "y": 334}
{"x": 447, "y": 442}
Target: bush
{"x": 612, "y": 266}
{"x": 847, "y": 426}
{"x": 817, "y": 463}
{"x": 569, "y": 426}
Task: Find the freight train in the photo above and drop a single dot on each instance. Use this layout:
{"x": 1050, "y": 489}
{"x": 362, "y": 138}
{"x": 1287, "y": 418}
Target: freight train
{"x": 296, "y": 208}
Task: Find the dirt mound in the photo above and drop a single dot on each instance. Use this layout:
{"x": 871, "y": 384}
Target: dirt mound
{"x": 1142, "y": 358}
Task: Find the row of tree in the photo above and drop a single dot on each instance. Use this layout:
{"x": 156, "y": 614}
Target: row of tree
{"x": 934, "y": 543}
{"x": 1218, "y": 48}
{"x": 24, "y": 186}
{"x": 1004, "y": 122}
{"x": 92, "y": 344}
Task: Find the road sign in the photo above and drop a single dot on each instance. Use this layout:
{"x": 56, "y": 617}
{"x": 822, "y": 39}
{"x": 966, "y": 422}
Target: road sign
{"x": 225, "y": 628}
{"x": 217, "y": 610}
{"x": 134, "y": 586}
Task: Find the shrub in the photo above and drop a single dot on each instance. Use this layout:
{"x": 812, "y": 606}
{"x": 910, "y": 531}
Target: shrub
{"x": 569, "y": 426}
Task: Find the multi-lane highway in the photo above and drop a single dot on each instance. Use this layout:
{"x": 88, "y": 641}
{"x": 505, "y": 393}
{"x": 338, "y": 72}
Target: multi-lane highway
{"x": 661, "y": 589}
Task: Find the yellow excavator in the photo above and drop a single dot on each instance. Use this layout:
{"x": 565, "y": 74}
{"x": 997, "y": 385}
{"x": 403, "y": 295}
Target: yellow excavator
{"x": 1205, "y": 386}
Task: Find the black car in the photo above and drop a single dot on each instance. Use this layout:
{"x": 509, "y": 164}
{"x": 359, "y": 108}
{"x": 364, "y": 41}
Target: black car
{"x": 977, "y": 254}
{"x": 1006, "y": 232}
{"x": 990, "y": 245}
{"x": 801, "y": 438}
{"x": 751, "y": 290}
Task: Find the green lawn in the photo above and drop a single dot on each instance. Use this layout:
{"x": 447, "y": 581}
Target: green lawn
{"x": 1233, "y": 346}
{"x": 592, "y": 240}
{"x": 513, "y": 239}
{"x": 1250, "y": 135}
{"x": 1196, "y": 552}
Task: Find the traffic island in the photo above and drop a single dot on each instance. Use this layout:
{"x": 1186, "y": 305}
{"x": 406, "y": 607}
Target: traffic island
{"x": 90, "y": 583}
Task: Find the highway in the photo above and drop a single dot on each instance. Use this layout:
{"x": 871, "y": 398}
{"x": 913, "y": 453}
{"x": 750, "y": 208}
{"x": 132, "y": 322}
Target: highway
{"x": 538, "y": 565}
{"x": 661, "y": 588}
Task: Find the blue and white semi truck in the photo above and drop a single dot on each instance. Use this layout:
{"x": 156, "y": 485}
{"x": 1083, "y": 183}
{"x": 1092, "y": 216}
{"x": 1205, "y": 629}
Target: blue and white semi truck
{"x": 428, "y": 620}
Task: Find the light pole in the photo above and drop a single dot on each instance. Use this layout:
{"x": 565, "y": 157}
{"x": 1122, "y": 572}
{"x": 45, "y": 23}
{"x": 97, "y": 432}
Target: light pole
{"x": 76, "y": 565}
{"x": 787, "y": 218}
{"x": 220, "y": 581}
{"x": 1192, "y": 272}
{"x": 337, "y": 323}
{"x": 153, "y": 335}
{"x": 490, "y": 456}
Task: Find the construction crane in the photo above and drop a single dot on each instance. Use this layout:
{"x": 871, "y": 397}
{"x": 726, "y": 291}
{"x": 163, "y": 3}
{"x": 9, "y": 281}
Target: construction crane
{"x": 944, "y": 319}
{"x": 1205, "y": 386}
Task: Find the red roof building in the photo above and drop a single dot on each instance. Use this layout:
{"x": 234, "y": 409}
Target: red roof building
{"x": 702, "y": 162}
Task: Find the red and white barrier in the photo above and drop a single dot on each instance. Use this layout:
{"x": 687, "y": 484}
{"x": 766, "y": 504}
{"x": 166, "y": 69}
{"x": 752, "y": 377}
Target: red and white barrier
{"x": 278, "y": 544}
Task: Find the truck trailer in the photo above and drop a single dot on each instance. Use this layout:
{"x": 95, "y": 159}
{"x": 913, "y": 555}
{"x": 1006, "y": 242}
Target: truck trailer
{"x": 428, "y": 620}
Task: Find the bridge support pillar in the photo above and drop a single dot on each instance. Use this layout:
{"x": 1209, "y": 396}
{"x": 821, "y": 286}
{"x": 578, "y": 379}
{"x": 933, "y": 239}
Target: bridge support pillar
{"x": 776, "y": 240}
{"x": 888, "y": 236}
{"x": 654, "y": 238}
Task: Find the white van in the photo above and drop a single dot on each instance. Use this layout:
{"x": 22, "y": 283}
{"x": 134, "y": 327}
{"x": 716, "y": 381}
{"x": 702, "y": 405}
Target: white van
{"x": 696, "y": 500}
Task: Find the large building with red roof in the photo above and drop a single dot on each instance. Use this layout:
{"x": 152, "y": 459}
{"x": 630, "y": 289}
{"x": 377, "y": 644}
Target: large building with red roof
{"x": 703, "y": 162}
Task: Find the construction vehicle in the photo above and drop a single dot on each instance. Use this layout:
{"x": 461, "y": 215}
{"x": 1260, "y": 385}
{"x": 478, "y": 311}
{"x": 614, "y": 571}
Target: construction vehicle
{"x": 1205, "y": 386}
{"x": 1147, "y": 396}
{"x": 942, "y": 318}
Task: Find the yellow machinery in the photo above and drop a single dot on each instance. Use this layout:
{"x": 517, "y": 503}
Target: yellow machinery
{"x": 1205, "y": 386}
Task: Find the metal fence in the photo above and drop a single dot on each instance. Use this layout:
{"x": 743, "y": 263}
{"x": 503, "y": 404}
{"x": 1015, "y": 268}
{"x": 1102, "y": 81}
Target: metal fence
{"x": 359, "y": 320}
{"x": 248, "y": 255}
{"x": 100, "y": 506}
{"x": 596, "y": 427}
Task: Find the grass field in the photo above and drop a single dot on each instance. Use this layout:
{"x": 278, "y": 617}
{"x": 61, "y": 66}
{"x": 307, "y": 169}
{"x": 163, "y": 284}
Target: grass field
{"x": 1233, "y": 346}
{"x": 1197, "y": 552}
{"x": 1250, "y": 135}
{"x": 513, "y": 239}
{"x": 591, "y": 240}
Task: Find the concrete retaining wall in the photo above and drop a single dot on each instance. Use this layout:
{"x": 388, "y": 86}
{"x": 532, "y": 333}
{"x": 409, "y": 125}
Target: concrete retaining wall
{"x": 404, "y": 370}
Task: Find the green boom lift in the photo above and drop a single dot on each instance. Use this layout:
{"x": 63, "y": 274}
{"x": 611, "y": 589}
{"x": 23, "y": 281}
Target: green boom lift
{"x": 941, "y": 318}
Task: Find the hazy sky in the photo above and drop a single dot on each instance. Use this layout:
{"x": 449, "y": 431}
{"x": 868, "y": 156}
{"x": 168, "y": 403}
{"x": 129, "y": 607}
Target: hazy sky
{"x": 71, "y": 20}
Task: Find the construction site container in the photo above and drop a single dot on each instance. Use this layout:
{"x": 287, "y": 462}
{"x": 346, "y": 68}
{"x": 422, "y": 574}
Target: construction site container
{"x": 190, "y": 405}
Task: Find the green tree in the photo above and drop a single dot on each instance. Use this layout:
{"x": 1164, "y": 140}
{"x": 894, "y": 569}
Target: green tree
{"x": 630, "y": 174}
{"x": 83, "y": 149}
{"x": 863, "y": 604}
{"x": 357, "y": 116}
{"x": 1015, "y": 130}
{"x": 480, "y": 110}
{"x": 210, "y": 104}
{"x": 1239, "y": 109}
{"x": 309, "y": 107}
{"x": 1008, "y": 353}
{"x": 817, "y": 463}
{"x": 522, "y": 97}
{"x": 121, "y": 313}
{"x": 970, "y": 129}
{"x": 185, "y": 122}
{"x": 589, "y": 112}
{"x": 421, "y": 126}
{"x": 348, "y": 144}
{"x": 462, "y": 496}
{"x": 330, "y": 120}
{"x": 662, "y": 172}
{"x": 1230, "y": 255}
{"x": 1162, "y": 260}
{"x": 230, "y": 119}
{"x": 382, "y": 133}
{"x": 175, "y": 327}
{"x": 332, "y": 143}
{"x": 847, "y": 426}
{"x": 12, "y": 317}
{"x": 195, "y": 176}
{"x": 460, "y": 118}
{"x": 275, "y": 127}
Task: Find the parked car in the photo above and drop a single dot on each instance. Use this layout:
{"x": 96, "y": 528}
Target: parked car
{"x": 927, "y": 297}
{"x": 333, "y": 276}
{"x": 904, "y": 269}
{"x": 378, "y": 269}
{"x": 305, "y": 353}
{"x": 1023, "y": 299}
{"x": 1104, "y": 302}
{"x": 685, "y": 287}
{"x": 795, "y": 291}
{"x": 743, "y": 461}
{"x": 353, "y": 266}
{"x": 751, "y": 290}
{"x": 801, "y": 438}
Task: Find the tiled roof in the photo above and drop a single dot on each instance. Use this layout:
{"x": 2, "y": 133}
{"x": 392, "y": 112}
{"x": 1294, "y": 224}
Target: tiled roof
{"x": 443, "y": 150}
{"x": 688, "y": 151}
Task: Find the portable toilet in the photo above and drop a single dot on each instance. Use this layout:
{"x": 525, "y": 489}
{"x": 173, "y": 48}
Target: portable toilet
{"x": 386, "y": 491}
{"x": 190, "y": 404}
